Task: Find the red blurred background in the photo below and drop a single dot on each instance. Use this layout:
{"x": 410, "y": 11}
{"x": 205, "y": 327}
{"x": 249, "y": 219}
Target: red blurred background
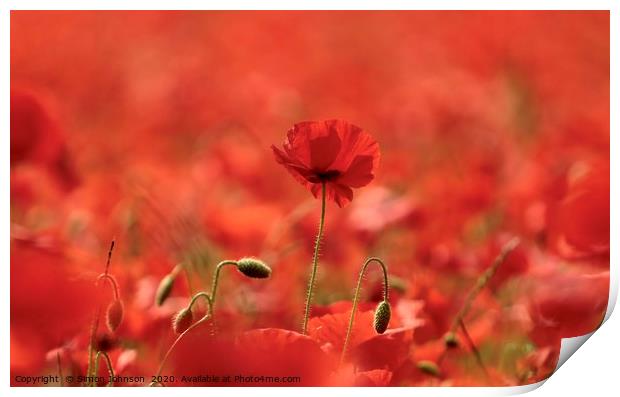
{"x": 154, "y": 128}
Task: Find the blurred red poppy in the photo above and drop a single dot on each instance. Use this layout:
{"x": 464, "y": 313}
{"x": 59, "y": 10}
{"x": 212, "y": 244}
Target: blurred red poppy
{"x": 334, "y": 152}
{"x": 568, "y": 305}
{"x": 284, "y": 353}
{"x": 330, "y": 330}
{"x": 38, "y": 139}
{"x": 581, "y": 223}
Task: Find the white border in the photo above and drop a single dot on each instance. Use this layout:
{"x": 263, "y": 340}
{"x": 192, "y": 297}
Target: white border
{"x": 593, "y": 372}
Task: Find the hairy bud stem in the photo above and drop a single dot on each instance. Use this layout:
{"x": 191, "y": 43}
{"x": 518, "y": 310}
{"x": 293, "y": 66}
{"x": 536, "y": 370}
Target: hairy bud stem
{"x": 108, "y": 364}
{"x": 383, "y": 311}
{"x": 186, "y": 331}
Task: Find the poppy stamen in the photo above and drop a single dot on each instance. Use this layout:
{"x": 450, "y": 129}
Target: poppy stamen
{"x": 326, "y": 176}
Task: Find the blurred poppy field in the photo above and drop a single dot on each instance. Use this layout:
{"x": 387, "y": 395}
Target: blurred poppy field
{"x": 468, "y": 152}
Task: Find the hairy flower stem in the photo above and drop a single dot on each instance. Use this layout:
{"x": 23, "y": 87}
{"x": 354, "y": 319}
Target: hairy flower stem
{"x": 191, "y": 327}
{"x": 216, "y": 278}
{"x": 112, "y": 283}
{"x": 474, "y": 349}
{"x": 206, "y": 297}
{"x": 315, "y": 263}
{"x": 357, "y": 296}
{"x": 59, "y": 367}
{"x": 108, "y": 363}
{"x": 482, "y": 282}
{"x": 95, "y": 323}
{"x": 93, "y": 335}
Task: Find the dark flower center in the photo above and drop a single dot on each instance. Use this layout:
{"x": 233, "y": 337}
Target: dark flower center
{"x": 104, "y": 343}
{"x": 328, "y": 175}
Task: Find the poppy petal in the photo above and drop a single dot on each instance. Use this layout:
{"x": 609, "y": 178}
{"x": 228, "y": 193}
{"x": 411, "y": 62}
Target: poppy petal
{"x": 297, "y": 170}
{"x": 376, "y": 377}
{"x": 297, "y": 145}
{"x": 280, "y": 352}
{"x": 340, "y": 194}
{"x": 355, "y": 142}
{"x": 331, "y": 329}
{"x": 324, "y": 150}
{"x": 359, "y": 173}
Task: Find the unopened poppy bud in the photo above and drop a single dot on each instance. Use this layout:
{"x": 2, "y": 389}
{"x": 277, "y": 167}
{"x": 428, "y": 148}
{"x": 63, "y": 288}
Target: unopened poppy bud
{"x": 114, "y": 315}
{"x": 428, "y": 367}
{"x": 182, "y": 321}
{"x": 450, "y": 340}
{"x": 254, "y": 268}
{"x": 382, "y": 316}
{"x": 164, "y": 289}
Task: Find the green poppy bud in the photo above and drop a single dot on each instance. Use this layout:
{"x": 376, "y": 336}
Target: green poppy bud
{"x": 428, "y": 367}
{"x": 182, "y": 321}
{"x": 254, "y": 268}
{"x": 164, "y": 289}
{"x": 382, "y": 316}
{"x": 450, "y": 340}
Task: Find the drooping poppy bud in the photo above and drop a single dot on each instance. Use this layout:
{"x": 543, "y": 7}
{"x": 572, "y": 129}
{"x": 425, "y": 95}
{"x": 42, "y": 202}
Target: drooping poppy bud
{"x": 382, "y": 316}
{"x": 428, "y": 367}
{"x": 254, "y": 268}
{"x": 114, "y": 315}
{"x": 450, "y": 340}
{"x": 182, "y": 320}
{"x": 164, "y": 289}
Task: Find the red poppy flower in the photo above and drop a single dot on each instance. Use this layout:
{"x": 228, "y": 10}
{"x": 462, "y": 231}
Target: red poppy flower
{"x": 37, "y": 138}
{"x": 259, "y": 354}
{"x": 581, "y": 220}
{"x": 334, "y": 152}
{"x": 330, "y": 330}
{"x": 568, "y": 305}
